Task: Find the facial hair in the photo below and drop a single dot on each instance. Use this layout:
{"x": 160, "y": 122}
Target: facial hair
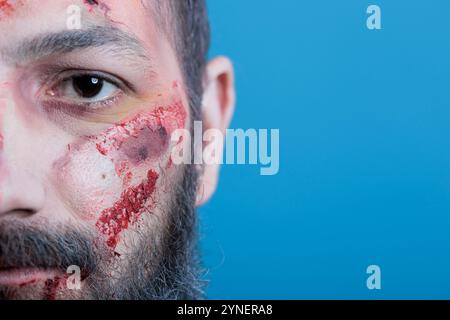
{"x": 163, "y": 265}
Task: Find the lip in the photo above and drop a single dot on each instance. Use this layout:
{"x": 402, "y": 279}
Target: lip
{"x": 21, "y": 277}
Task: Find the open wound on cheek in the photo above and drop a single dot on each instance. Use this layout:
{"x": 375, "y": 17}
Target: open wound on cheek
{"x": 128, "y": 209}
{"x": 145, "y": 136}
{"x": 132, "y": 143}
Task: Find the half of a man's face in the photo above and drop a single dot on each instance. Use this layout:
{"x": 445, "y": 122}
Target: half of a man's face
{"x": 86, "y": 178}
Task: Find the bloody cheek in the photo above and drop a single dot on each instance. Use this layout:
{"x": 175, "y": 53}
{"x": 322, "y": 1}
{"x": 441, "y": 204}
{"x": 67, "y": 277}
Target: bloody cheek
{"x": 144, "y": 136}
{"x": 127, "y": 210}
{"x": 130, "y": 144}
{"x": 149, "y": 144}
{"x": 6, "y": 7}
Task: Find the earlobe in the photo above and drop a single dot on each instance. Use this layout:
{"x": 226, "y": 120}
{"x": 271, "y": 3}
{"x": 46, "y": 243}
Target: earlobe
{"x": 217, "y": 109}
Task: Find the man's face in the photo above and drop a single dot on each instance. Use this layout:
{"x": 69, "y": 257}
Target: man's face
{"x": 86, "y": 177}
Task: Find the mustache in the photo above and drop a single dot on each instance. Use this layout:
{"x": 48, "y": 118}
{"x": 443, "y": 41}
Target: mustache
{"x": 24, "y": 246}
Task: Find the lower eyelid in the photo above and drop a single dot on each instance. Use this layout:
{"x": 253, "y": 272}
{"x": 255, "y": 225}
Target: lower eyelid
{"x": 82, "y": 110}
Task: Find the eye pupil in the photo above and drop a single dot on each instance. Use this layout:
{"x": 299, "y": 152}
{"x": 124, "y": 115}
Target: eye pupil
{"x": 87, "y": 86}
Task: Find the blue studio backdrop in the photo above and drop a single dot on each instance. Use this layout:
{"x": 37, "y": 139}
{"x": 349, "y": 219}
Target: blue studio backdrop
{"x": 364, "y": 119}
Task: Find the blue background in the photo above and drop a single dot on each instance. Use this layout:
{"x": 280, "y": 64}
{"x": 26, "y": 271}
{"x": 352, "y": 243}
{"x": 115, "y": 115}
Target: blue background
{"x": 364, "y": 177}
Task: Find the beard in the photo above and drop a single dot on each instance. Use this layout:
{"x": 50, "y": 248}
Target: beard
{"x": 162, "y": 266}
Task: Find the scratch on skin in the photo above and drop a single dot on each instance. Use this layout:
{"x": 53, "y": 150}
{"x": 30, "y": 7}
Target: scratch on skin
{"x": 127, "y": 210}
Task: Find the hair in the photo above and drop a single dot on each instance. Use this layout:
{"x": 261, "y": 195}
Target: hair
{"x": 162, "y": 265}
{"x": 186, "y": 24}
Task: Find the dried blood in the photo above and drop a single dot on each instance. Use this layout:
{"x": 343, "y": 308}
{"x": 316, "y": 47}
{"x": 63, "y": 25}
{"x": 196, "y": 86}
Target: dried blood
{"x": 127, "y": 210}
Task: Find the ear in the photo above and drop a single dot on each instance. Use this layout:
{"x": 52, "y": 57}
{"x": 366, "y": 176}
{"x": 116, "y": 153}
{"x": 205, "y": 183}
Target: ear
{"x": 217, "y": 108}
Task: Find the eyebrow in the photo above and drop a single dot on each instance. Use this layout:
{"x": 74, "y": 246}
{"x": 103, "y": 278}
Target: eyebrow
{"x": 116, "y": 41}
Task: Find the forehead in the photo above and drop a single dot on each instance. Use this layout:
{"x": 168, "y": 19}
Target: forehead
{"x": 24, "y": 19}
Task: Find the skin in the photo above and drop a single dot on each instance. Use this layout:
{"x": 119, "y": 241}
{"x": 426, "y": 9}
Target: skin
{"x": 81, "y": 166}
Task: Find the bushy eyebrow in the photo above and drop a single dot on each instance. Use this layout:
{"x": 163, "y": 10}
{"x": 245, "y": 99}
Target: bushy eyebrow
{"x": 114, "y": 40}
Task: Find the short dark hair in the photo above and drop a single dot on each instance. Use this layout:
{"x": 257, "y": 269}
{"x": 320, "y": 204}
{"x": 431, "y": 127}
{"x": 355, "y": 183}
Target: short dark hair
{"x": 186, "y": 24}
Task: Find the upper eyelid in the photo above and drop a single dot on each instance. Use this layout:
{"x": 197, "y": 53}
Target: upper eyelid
{"x": 60, "y": 77}
{"x": 48, "y": 73}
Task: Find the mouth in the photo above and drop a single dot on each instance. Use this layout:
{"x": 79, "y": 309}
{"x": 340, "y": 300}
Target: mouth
{"x": 20, "y": 277}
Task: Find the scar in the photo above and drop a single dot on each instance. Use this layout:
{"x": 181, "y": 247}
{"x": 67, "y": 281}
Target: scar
{"x": 127, "y": 210}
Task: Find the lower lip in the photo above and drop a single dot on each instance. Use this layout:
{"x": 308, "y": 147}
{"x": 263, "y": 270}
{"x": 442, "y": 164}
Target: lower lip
{"x": 21, "y": 277}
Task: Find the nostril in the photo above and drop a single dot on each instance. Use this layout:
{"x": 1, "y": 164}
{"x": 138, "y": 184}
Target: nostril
{"x": 17, "y": 202}
{"x": 19, "y": 213}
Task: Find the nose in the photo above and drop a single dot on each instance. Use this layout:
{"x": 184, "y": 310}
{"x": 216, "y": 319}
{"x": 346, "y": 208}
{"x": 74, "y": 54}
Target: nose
{"x": 21, "y": 191}
{"x": 21, "y": 194}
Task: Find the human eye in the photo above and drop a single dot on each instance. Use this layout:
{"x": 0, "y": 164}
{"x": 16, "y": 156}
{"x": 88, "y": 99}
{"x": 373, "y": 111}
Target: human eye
{"x": 83, "y": 91}
{"x": 85, "y": 88}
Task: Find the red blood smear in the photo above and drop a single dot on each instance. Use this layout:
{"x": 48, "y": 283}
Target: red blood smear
{"x": 172, "y": 117}
{"x": 127, "y": 179}
{"x": 101, "y": 149}
{"x": 122, "y": 169}
{"x": 6, "y": 7}
{"x": 51, "y": 286}
{"x": 149, "y": 144}
{"x": 127, "y": 210}
{"x": 27, "y": 283}
{"x": 170, "y": 163}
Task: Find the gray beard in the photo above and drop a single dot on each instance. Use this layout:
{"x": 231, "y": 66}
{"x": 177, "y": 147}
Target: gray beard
{"x": 163, "y": 269}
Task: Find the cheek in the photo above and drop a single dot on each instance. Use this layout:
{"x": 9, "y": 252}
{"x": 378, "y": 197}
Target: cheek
{"x": 113, "y": 177}
{"x": 87, "y": 180}
{"x": 128, "y": 209}
{"x": 148, "y": 144}
{"x": 6, "y": 7}
{"x": 145, "y": 136}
